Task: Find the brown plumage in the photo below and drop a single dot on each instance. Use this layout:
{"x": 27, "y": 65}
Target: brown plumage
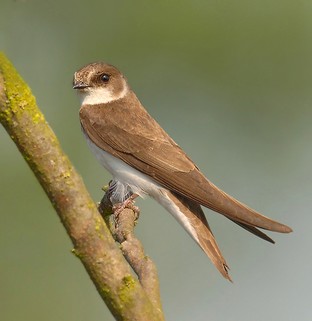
{"x": 124, "y": 129}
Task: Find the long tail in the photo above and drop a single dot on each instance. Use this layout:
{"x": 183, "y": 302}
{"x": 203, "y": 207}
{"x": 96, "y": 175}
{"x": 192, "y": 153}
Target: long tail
{"x": 190, "y": 215}
{"x": 214, "y": 198}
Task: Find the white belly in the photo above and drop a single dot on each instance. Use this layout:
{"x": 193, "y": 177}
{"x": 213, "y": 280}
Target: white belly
{"x": 127, "y": 178}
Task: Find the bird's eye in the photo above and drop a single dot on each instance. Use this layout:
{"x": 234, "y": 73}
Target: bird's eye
{"x": 105, "y": 77}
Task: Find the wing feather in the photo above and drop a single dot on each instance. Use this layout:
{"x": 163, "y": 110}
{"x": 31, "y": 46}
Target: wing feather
{"x": 127, "y": 131}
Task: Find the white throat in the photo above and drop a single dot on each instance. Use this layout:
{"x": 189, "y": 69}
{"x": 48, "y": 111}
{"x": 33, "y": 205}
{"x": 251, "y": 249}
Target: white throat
{"x": 95, "y": 96}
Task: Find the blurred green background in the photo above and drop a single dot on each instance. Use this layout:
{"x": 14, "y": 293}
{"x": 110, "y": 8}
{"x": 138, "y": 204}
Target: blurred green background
{"x": 231, "y": 83}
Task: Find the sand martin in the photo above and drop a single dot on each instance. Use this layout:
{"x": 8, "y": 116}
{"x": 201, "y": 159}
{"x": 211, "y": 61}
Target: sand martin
{"x": 144, "y": 160}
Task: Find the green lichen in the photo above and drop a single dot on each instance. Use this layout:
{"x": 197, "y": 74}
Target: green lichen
{"x": 76, "y": 253}
{"x": 105, "y": 292}
{"x": 107, "y": 295}
{"x": 65, "y": 176}
{"x": 90, "y": 204}
{"x": 18, "y": 95}
{"x": 37, "y": 118}
{"x": 124, "y": 293}
{"x": 99, "y": 227}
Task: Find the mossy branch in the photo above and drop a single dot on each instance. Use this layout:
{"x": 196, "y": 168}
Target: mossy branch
{"x": 93, "y": 243}
{"x": 122, "y": 229}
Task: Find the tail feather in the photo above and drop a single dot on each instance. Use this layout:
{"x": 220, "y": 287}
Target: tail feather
{"x": 254, "y": 231}
{"x": 209, "y": 195}
{"x": 241, "y": 213}
{"x": 190, "y": 215}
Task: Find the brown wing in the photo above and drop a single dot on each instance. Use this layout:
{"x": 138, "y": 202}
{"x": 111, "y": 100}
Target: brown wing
{"x": 127, "y": 131}
{"x": 204, "y": 236}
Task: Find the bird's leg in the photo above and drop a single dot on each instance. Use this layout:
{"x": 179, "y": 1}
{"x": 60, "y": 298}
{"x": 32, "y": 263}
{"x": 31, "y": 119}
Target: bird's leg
{"x": 128, "y": 203}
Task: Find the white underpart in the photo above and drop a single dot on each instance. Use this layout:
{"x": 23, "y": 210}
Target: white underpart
{"x": 128, "y": 178}
{"x": 100, "y": 95}
{"x": 162, "y": 198}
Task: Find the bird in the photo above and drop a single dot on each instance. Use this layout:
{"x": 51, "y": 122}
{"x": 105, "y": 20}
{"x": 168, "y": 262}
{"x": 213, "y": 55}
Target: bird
{"x": 144, "y": 160}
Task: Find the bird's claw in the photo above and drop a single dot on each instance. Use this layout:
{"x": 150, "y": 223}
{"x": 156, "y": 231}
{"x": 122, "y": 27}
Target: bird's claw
{"x": 128, "y": 203}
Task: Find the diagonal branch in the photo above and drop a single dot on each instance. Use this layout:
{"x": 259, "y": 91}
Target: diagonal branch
{"x": 93, "y": 243}
{"x": 122, "y": 229}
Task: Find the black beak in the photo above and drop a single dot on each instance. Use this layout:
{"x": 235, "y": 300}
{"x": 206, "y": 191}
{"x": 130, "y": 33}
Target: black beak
{"x": 80, "y": 85}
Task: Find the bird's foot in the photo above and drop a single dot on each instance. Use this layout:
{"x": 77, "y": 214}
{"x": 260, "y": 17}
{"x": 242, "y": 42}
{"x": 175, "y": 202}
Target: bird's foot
{"x": 128, "y": 203}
